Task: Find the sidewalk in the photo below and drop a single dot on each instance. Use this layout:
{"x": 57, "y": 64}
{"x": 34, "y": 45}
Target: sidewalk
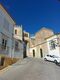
{"x": 15, "y": 65}
{"x": 9, "y": 67}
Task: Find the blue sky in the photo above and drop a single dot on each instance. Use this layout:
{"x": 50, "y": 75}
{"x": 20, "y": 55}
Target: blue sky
{"x": 34, "y": 14}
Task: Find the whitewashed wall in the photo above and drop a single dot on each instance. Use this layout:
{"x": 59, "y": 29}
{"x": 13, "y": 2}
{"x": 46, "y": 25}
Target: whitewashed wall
{"x": 54, "y": 51}
{"x": 19, "y": 53}
{"x": 6, "y": 28}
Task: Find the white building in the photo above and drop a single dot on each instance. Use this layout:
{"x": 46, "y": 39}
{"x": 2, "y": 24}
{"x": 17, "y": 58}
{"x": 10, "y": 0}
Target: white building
{"x": 53, "y": 44}
{"x": 18, "y": 41}
{"x": 14, "y": 42}
{"x": 6, "y": 33}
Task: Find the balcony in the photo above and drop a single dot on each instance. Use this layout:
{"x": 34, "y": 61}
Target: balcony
{"x": 26, "y": 36}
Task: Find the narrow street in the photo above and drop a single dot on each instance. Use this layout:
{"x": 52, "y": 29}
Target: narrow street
{"x": 32, "y": 69}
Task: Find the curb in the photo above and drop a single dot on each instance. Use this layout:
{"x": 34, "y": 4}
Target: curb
{"x": 5, "y": 69}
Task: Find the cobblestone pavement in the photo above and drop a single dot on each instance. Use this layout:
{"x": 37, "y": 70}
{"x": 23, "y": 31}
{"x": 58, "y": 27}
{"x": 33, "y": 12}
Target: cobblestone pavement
{"x": 31, "y": 69}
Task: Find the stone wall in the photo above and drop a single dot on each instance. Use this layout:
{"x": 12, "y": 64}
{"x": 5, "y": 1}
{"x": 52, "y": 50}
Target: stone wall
{"x": 40, "y": 42}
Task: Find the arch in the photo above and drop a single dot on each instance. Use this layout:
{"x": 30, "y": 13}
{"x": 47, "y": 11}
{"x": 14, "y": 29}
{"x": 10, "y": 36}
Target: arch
{"x": 41, "y": 52}
{"x": 33, "y": 53}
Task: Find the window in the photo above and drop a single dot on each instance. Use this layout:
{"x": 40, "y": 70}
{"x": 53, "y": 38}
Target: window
{"x": 15, "y": 31}
{"x": 51, "y": 56}
{"x": 47, "y": 55}
{"x": 52, "y": 44}
{"x": 4, "y": 44}
{"x": 2, "y": 41}
{"x": 16, "y": 45}
{"x": 25, "y": 34}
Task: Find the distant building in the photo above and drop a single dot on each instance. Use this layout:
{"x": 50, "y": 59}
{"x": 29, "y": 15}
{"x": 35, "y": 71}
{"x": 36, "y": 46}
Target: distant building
{"x": 18, "y": 41}
{"x": 38, "y": 44}
{"x": 6, "y": 33}
{"x": 26, "y": 43}
{"x": 53, "y": 43}
{"x": 21, "y": 42}
{"x": 32, "y": 49}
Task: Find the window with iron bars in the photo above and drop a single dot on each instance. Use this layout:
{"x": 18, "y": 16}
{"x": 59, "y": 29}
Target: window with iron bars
{"x": 52, "y": 44}
{"x": 4, "y": 44}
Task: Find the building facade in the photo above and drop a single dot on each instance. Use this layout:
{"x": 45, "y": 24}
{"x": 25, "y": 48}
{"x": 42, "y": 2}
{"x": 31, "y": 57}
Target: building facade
{"x": 21, "y": 42}
{"x": 14, "y": 41}
{"x": 53, "y": 44}
{"x": 38, "y": 44}
{"x": 18, "y": 41}
{"x": 6, "y": 33}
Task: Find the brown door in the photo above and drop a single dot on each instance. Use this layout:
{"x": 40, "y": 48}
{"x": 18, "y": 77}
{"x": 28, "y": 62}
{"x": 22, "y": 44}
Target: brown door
{"x": 41, "y": 53}
{"x": 33, "y": 53}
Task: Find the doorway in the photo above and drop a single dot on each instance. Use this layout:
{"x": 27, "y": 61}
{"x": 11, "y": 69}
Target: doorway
{"x": 41, "y": 53}
{"x": 25, "y": 49}
{"x": 33, "y": 53}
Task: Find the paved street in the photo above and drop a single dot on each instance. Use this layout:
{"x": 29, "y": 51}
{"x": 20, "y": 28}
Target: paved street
{"x": 31, "y": 69}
